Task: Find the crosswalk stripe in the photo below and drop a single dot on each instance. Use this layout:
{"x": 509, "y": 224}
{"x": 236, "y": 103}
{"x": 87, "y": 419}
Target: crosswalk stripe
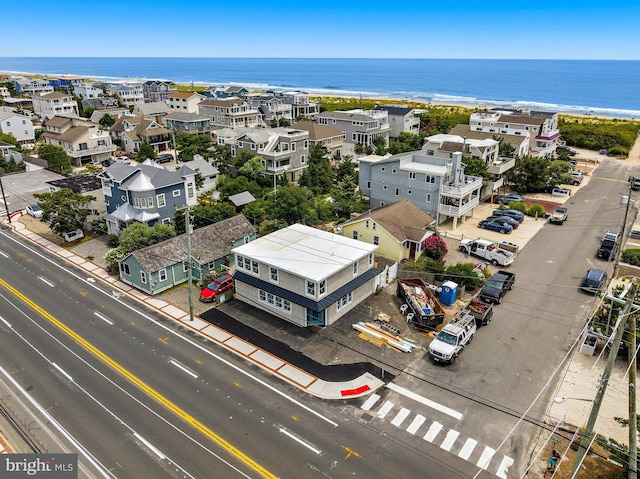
{"x": 384, "y": 410}
{"x": 467, "y": 449}
{"x": 504, "y": 466}
{"x": 416, "y": 423}
{"x": 370, "y": 402}
{"x": 486, "y": 457}
{"x": 423, "y": 400}
{"x": 433, "y": 431}
{"x": 400, "y": 417}
{"x": 448, "y": 442}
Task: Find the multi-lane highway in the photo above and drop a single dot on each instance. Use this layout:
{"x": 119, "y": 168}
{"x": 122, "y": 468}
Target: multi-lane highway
{"x": 137, "y": 397}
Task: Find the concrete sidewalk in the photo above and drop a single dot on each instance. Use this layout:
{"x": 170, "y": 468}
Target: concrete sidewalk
{"x": 356, "y": 387}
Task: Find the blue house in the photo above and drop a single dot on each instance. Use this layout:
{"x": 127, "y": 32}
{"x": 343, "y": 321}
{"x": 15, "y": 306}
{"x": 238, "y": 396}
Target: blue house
{"x": 145, "y": 193}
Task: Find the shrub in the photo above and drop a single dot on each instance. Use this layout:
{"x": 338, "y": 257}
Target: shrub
{"x": 631, "y": 256}
{"x": 435, "y": 247}
{"x": 536, "y": 210}
{"x": 464, "y": 274}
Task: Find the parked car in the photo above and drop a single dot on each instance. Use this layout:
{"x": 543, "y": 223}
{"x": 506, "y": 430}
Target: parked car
{"x": 108, "y": 162}
{"x": 216, "y": 288}
{"x": 567, "y": 150}
{"x": 164, "y": 158}
{"x": 34, "y": 210}
{"x": 125, "y": 160}
{"x": 506, "y": 199}
{"x": 577, "y": 177}
{"x": 635, "y": 183}
{"x": 495, "y": 226}
{"x": 594, "y": 281}
{"x": 609, "y": 245}
{"x": 518, "y": 215}
{"x": 514, "y": 223}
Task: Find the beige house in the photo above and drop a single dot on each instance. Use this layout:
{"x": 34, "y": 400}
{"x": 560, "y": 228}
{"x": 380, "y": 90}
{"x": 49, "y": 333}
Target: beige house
{"x": 330, "y": 138}
{"x": 185, "y": 101}
{"x": 81, "y": 139}
{"x": 230, "y": 112}
{"x": 397, "y": 229}
{"x": 49, "y": 105}
{"x": 132, "y": 131}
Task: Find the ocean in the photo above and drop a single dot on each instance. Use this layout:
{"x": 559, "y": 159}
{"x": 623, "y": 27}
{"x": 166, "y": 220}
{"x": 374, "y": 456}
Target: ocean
{"x": 597, "y": 87}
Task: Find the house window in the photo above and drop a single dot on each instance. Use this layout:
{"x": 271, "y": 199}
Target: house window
{"x": 311, "y": 288}
{"x": 412, "y": 175}
{"x": 409, "y": 192}
{"x": 430, "y": 152}
{"x": 384, "y": 187}
{"x": 175, "y": 193}
{"x": 161, "y": 201}
{"x": 162, "y": 275}
{"x": 302, "y": 159}
{"x": 274, "y": 301}
{"x": 355, "y": 235}
{"x": 355, "y": 268}
{"x": 143, "y": 277}
{"x": 190, "y": 192}
{"x": 428, "y": 197}
{"x": 376, "y": 240}
{"x": 293, "y": 147}
{"x": 366, "y": 224}
{"x": 124, "y": 267}
{"x": 166, "y": 221}
{"x": 393, "y": 171}
{"x": 382, "y": 169}
{"x": 322, "y": 287}
{"x": 397, "y": 191}
{"x": 370, "y": 259}
{"x": 344, "y": 301}
{"x": 273, "y": 274}
{"x": 368, "y": 185}
{"x": 306, "y": 144}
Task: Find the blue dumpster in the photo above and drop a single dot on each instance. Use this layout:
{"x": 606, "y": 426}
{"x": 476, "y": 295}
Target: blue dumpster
{"x": 448, "y": 293}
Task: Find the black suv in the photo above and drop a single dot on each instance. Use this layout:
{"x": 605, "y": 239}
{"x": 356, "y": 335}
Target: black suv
{"x": 164, "y": 158}
{"x": 609, "y": 245}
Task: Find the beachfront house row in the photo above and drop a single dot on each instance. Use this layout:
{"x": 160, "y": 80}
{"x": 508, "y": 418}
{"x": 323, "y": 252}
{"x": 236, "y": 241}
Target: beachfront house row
{"x": 185, "y": 101}
{"x": 18, "y": 125}
{"x": 330, "y": 138}
{"x": 542, "y": 127}
{"x": 145, "y": 193}
{"x": 520, "y": 143}
{"x": 303, "y": 275}
{"x": 88, "y": 90}
{"x": 226, "y": 91}
{"x": 360, "y": 127}
{"x": 48, "y": 105}
{"x": 132, "y": 131}
{"x": 83, "y": 141}
{"x": 438, "y": 186}
{"x": 270, "y": 107}
{"x": 398, "y": 229}
{"x": 230, "y": 112}
{"x": 402, "y": 119}
{"x": 301, "y": 107}
{"x": 32, "y": 86}
{"x": 129, "y": 92}
{"x": 161, "y": 266}
{"x": 158, "y": 90}
{"x": 283, "y": 150}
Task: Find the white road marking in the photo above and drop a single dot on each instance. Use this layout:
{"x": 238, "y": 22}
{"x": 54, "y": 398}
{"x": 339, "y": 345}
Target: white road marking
{"x": 183, "y": 368}
{"x": 384, "y": 410}
{"x": 62, "y": 371}
{"x": 300, "y": 441}
{"x": 433, "y": 431}
{"x": 448, "y": 442}
{"x": 504, "y": 466}
{"x": 416, "y": 423}
{"x": 103, "y": 318}
{"x": 425, "y": 401}
{"x": 4, "y": 254}
{"x": 151, "y": 447}
{"x": 400, "y": 417}
{"x": 486, "y": 457}
{"x": 467, "y": 449}
{"x": 370, "y": 402}
{"x": 46, "y": 281}
{"x": 5, "y": 322}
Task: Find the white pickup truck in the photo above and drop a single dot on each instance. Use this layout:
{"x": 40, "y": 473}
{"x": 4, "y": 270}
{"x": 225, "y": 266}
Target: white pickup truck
{"x": 453, "y": 338}
{"x": 490, "y": 251}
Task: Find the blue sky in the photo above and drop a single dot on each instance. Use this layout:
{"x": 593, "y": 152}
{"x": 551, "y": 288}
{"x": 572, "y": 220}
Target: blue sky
{"x": 346, "y": 29}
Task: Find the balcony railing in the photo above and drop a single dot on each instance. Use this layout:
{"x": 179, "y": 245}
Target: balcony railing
{"x": 92, "y": 151}
{"x": 458, "y": 211}
{"x": 501, "y": 165}
{"x": 470, "y": 184}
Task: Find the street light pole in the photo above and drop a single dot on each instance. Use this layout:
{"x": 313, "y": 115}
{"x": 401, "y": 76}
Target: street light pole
{"x": 4, "y": 198}
{"x": 187, "y": 220}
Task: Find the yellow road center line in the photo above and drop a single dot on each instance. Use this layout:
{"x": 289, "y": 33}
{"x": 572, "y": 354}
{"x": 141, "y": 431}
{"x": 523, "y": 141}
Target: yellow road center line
{"x": 174, "y": 408}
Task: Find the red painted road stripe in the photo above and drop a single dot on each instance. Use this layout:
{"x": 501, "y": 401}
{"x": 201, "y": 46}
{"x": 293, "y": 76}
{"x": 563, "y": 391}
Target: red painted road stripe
{"x": 351, "y": 392}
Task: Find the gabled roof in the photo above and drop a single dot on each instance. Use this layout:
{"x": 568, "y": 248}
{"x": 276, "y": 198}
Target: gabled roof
{"x": 225, "y": 102}
{"x": 185, "y": 117}
{"x": 202, "y": 166}
{"x": 156, "y": 107}
{"x": 54, "y": 95}
{"x": 159, "y": 177}
{"x": 403, "y": 220}
{"x": 522, "y": 119}
{"x": 399, "y": 110}
{"x": 185, "y": 94}
{"x": 78, "y": 184}
{"x": 241, "y": 199}
{"x": 317, "y": 132}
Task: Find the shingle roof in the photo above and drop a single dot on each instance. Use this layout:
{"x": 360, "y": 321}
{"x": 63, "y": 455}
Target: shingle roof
{"x": 317, "y": 132}
{"x": 522, "y": 119}
{"x": 402, "y": 219}
{"x": 394, "y": 109}
{"x": 159, "y": 177}
{"x": 78, "y": 184}
{"x": 241, "y": 199}
{"x": 465, "y": 131}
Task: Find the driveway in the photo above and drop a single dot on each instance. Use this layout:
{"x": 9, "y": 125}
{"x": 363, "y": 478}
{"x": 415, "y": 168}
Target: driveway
{"x": 19, "y": 187}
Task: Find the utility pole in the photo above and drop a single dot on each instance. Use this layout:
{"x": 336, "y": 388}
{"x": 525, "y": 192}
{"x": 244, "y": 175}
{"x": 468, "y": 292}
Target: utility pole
{"x": 633, "y": 422}
{"x": 4, "y": 198}
{"x": 624, "y": 226}
{"x": 604, "y": 380}
{"x": 187, "y": 222}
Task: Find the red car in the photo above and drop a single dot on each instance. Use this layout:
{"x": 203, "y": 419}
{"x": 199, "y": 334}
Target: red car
{"x": 216, "y": 288}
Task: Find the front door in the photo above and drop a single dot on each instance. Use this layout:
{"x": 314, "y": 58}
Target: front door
{"x": 315, "y": 318}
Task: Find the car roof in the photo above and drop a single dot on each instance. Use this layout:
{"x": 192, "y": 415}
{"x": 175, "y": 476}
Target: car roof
{"x": 595, "y": 274}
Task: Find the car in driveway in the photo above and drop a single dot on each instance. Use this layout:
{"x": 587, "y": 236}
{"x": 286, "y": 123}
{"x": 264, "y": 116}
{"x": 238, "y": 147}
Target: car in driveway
{"x": 164, "y": 158}
{"x": 566, "y": 149}
{"x": 514, "y": 223}
{"x": 495, "y": 226}
{"x": 594, "y": 281}
{"x": 511, "y": 197}
{"x": 34, "y": 210}
{"x": 216, "y": 288}
{"x": 515, "y": 214}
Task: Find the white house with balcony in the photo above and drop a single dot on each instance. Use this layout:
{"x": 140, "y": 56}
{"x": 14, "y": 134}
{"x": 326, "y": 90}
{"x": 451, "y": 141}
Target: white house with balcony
{"x": 48, "y": 105}
{"x": 360, "y": 127}
{"x": 32, "y": 86}
{"x": 541, "y": 126}
{"x": 81, "y": 139}
{"x": 88, "y": 90}
{"x": 230, "y": 112}
{"x": 438, "y": 186}
{"x": 130, "y": 92}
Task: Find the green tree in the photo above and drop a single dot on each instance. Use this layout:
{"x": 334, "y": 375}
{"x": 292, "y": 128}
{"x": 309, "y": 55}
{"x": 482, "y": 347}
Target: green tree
{"x": 106, "y": 122}
{"x": 253, "y": 169}
{"x": 203, "y": 214}
{"x": 255, "y": 211}
{"x": 220, "y": 158}
{"x": 318, "y": 175}
{"x": 380, "y": 144}
{"x": 190, "y": 145}
{"x": 9, "y": 138}
{"x": 141, "y": 235}
{"x": 228, "y": 186}
{"x": 346, "y": 167}
{"x": 505, "y": 149}
{"x": 145, "y": 151}
{"x": 476, "y": 167}
{"x": 292, "y": 204}
{"x": 279, "y": 122}
{"x": 56, "y": 158}
{"x": 64, "y": 210}
{"x": 10, "y": 166}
